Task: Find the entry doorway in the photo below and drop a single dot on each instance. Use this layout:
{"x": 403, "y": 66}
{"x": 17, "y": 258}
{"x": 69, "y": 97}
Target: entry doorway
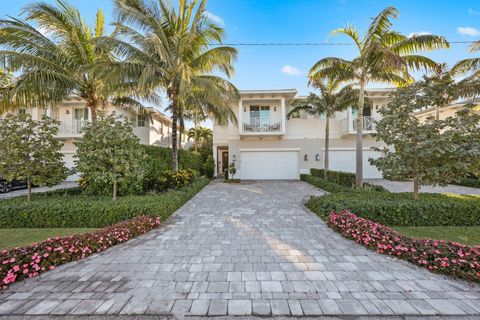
{"x": 224, "y": 161}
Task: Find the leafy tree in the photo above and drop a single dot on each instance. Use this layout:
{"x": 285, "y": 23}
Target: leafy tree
{"x": 429, "y": 153}
{"x": 384, "y": 55}
{"x": 167, "y": 48}
{"x": 29, "y": 151}
{"x": 110, "y": 153}
{"x": 332, "y": 99}
{"x": 56, "y": 63}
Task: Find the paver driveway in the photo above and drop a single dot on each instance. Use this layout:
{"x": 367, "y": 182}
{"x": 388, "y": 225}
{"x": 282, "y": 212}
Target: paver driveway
{"x": 242, "y": 249}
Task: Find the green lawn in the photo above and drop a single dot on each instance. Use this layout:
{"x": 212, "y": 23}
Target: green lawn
{"x": 10, "y": 238}
{"x": 465, "y": 235}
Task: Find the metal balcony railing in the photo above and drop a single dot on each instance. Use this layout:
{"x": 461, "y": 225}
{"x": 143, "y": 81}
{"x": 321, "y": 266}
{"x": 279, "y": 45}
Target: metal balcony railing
{"x": 73, "y": 127}
{"x": 266, "y": 125}
{"x": 368, "y": 124}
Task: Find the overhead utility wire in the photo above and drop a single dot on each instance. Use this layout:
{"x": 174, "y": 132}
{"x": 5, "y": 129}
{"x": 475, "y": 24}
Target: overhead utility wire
{"x": 305, "y": 43}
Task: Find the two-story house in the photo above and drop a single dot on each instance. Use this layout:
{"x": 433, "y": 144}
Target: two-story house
{"x": 151, "y": 127}
{"x": 264, "y": 144}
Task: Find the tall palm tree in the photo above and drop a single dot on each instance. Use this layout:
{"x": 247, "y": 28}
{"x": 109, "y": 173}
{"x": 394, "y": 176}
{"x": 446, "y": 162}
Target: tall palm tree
{"x": 470, "y": 85}
{"x": 200, "y": 135}
{"x": 384, "y": 56}
{"x": 168, "y": 49}
{"x": 332, "y": 99}
{"x": 54, "y": 64}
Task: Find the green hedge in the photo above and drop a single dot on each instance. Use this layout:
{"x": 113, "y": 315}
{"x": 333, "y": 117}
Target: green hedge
{"x": 67, "y": 209}
{"x": 323, "y": 184}
{"x": 400, "y": 209}
{"x": 469, "y": 182}
{"x": 345, "y": 179}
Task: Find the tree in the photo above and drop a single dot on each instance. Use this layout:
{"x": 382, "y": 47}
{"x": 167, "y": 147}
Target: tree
{"x": 29, "y": 151}
{"x": 432, "y": 152}
{"x": 200, "y": 135}
{"x": 56, "y": 63}
{"x": 170, "y": 49}
{"x": 332, "y": 99}
{"x": 470, "y": 68}
{"x": 384, "y": 56}
{"x": 110, "y": 153}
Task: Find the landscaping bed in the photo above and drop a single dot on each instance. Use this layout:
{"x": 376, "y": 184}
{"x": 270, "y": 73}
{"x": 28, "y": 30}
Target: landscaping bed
{"x": 73, "y": 209}
{"x": 444, "y": 257}
{"x": 30, "y": 261}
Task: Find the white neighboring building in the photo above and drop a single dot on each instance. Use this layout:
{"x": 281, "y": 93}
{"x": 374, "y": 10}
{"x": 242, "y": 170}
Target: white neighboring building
{"x": 73, "y": 116}
{"x": 263, "y": 144}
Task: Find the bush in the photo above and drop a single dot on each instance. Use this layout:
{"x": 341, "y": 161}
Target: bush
{"x": 209, "y": 167}
{"x": 174, "y": 180}
{"x": 469, "y": 182}
{"x": 64, "y": 210}
{"x": 323, "y": 184}
{"x": 400, "y": 209}
{"x": 159, "y": 159}
{"x": 346, "y": 179}
{"x": 27, "y": 262}
{"x": 438, "y": 256}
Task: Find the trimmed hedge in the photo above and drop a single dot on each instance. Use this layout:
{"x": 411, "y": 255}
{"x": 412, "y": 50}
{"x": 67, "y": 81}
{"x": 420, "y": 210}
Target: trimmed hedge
{"x": 345, "y": 179}
{"x": 323, "y": 184}
{"x": 469, "y": 182}
{"x": 29, "y": 261}
{"x": 400, "y": 209}
{"x": 439, "y": 256}
{"x": 64, "y": 210}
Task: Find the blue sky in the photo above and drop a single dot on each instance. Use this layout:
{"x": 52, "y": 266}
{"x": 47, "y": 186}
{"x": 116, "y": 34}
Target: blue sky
{"x": 311, "y": 21}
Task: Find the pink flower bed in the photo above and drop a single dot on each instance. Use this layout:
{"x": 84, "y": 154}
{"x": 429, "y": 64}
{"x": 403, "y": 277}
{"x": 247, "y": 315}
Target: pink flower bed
{"x": 27, "y": 262}
{"x": 436, "y": 255}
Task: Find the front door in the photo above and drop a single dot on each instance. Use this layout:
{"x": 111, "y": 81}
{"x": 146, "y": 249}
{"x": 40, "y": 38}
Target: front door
{"x": 224, "y": 161}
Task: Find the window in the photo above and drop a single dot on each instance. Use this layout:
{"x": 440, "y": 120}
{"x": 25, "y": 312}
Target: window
{"x": 141, "y": 120}
{"x": 81, "y": 114}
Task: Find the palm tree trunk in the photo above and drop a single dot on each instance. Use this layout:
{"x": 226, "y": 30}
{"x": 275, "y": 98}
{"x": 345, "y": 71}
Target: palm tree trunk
{"x": 359, "y": 137}
{"x": 437, "y": 113}
{"x": 195, "y": 135}
{"x": 327, "y": 146}
{"x": 114, "y": 190}
{"x": 174, "y": 133}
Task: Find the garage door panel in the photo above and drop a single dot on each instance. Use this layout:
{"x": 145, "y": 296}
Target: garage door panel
{"x": 269, "y": 165}
{"x": 344, "y": 160}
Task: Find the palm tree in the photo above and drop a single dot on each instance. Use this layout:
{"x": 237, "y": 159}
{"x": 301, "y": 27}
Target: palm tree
{"x": 54, "y": 64}
{"x": 200, "y": 135}
{"x": 384, "y": 56}
{"x": 332, "y": 99}
{"x": 168, "y": 49}
{"x": 470, "y": 85}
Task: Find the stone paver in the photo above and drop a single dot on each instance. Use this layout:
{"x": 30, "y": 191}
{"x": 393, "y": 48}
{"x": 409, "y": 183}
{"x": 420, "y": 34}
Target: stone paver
{"x": 407, "y": 186}
{"x": 246, "y": 249}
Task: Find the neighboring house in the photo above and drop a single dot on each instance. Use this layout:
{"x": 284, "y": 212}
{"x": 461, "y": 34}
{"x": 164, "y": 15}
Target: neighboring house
{"x": 263, "y": 144}
{"x": 152, "y": 129}
{"x": 444, "y": 113}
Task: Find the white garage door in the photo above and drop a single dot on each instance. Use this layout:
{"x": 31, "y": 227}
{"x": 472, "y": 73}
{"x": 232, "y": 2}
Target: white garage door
{"x": 269, "y": 165}
{"x": 344, "y": 160}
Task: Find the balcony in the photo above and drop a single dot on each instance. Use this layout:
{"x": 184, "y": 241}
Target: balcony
{"x": 349, "y": 126}
{"x": 262, "y": 127}
{"x": 71, "y": 129}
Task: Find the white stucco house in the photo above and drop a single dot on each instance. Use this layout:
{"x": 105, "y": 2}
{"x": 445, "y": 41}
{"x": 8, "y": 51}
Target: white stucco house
{"x": 263, "y": 144}
{"x": 152, "y": 129}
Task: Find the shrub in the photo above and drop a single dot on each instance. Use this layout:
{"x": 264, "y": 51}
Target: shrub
{"x": 174, "y": 180}
{"x": 159, "y": 159}
{"x": 64, "y": 210}
{"x": 209, "y": 167}
{"x": 436, "y": 255}
{"x": 346, "y": 179}
{"x": 400, "y": 209}
{"x": 469, "y": 182}
{"x": 27, "y": 262}
{"x": 323, "y": 184}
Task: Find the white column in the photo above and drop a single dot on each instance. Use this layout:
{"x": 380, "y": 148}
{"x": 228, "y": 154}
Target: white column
{"x": 283, "y": 114}
{"x": 240, "y": 116}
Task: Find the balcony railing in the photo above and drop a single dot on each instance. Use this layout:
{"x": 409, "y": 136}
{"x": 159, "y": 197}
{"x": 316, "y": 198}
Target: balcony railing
{"x": 75, "y": 127}
{"x": 262, "y": 125}
{"x": 368, "y": 124}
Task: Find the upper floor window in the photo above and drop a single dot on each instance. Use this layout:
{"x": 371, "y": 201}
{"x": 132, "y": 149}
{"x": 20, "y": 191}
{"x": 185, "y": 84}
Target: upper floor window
{"x": 141, "y": 120}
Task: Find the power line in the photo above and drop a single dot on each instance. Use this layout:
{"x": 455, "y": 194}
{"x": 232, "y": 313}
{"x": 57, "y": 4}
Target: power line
{"x": 311, "y": 44}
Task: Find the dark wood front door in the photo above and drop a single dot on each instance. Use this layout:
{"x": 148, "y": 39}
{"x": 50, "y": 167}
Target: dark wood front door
{"x": 224, "y": 161}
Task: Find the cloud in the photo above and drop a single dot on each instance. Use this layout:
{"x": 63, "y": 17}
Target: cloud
{"x": 419, "y": 33}
{"x": 468, "y": 31}
{"x": 214, "y": 18}
{"x": 473, "y": 12}
{"x": 291, "y": 71}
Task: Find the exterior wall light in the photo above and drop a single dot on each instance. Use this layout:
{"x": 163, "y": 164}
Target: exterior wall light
{"x": 305, "y": 157}
{"x": 234, "y": 158}
{"x": 317, "y": 157}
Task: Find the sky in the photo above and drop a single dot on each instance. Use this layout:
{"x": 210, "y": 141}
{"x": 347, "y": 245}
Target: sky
{"x": 297, "y": 21}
